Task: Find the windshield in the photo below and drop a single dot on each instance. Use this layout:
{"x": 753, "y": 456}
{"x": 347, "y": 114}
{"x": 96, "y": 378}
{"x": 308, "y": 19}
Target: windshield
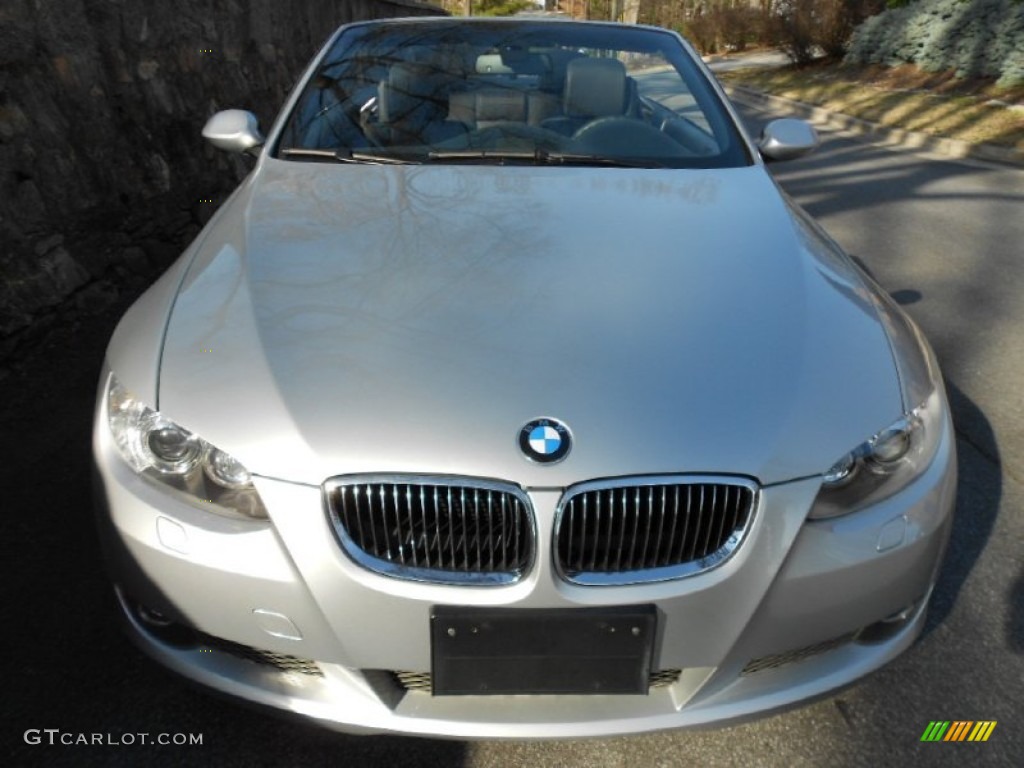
{"x": 457, "y": 91}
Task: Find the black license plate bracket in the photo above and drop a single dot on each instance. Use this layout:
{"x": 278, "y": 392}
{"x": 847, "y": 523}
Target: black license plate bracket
{"x": 490, "y": 651}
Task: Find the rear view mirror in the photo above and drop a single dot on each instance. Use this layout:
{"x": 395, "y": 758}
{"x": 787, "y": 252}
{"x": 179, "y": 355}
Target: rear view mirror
{"x": 234, "y": 130}
{"x": 787, "y": 139}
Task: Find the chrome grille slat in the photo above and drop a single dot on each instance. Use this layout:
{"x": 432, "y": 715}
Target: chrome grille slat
{"x": 726, "y": 507}
{"x": 647, "y": 532}
{"x": 465, "y": 530}
{"x": 433, "y": 528}
{"x": 383, "y": 507}
{"x": 504, "y": 547}
{"x": 681, "y": 557}
{"x": 572, "y": 528}
{"x": 697, "y": 528}
{"x": 373, "y": 533}
{"x": 706, "y": 510}
{"x": 700, "y": 521}
{"x": 707, "y": 528}
{"x": 612, "y": 518}
{"x": 479, "y": 557}
{"x": 427, "y": 528}
{"x": 661, "y": 529}
{"x": 583, "y": 527}
{"x": 609, "y": 537}
{"x": 672, "y": 531}
{"x": 410, "y": 541}
{"x": 359, "y": 518}
{"x": 515, "y": 533}
{"x": 451, "y": 530}
{"x": 636, "y": 528}
{"x": 613, "y": 500}
{"x": 490, "y": 539}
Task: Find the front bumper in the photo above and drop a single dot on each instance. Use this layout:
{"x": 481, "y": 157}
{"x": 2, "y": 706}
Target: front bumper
{"x": 275, "y": 613}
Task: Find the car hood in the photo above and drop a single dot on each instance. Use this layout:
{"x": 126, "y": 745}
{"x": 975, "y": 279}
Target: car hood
{"x": 345, "y": 319}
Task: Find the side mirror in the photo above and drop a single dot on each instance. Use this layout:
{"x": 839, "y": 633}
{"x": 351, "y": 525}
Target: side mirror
{"x": 787, "y": 139}
{"x": 234, "y": 130}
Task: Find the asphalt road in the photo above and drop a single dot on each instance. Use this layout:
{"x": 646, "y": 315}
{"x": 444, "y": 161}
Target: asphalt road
{"x": 947, "y": 238}
{"x": 725, "y": 63}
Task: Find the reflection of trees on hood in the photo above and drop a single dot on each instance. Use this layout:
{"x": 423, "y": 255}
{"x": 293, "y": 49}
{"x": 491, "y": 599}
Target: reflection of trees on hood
{"x": 379, "y": 249}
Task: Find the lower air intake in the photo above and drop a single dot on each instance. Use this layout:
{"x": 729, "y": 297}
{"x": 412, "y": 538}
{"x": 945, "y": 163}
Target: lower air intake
{"x": 791, "y": 657}
{"x": 421, "y": 681}
{"x": 280, "y": 661}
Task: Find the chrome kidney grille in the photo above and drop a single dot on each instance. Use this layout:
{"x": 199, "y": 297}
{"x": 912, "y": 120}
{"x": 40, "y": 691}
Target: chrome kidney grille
{"x": 438, "y": 529}
{"x": 650, "y": 529}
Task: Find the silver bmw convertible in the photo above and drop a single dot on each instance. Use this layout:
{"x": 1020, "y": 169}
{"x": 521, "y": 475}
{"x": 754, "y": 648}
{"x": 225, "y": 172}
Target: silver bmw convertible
{"x": 508, "y": 396}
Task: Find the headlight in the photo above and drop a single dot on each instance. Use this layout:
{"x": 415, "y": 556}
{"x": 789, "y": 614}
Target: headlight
{"x": 893, "y": 458}
{"x": 883, "y": 465}
{"x": 167, "y": 454}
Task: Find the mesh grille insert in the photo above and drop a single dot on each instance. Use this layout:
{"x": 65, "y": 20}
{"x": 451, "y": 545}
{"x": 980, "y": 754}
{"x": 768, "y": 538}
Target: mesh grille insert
{"x": 421, "y": 681}
{"x": 791, "y": 657}
{"x": 280, "y": 661}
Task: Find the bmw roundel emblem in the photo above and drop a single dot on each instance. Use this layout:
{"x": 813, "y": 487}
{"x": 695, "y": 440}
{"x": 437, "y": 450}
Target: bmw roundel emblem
{"x": 545, "y": 440}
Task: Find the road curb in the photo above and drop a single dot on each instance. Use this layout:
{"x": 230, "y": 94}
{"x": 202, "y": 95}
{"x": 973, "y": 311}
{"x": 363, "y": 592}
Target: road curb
{"x": 882, "y": 134}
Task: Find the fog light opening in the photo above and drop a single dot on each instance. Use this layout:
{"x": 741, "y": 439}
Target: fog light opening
{"x": 163, "y": 628}
{"x": 899, "y": 617}
{"x": 152, "y": 617}
{"x": 890, "y": 626}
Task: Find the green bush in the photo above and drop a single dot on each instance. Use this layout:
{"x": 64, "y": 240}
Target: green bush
{"x": 975, "y": 38}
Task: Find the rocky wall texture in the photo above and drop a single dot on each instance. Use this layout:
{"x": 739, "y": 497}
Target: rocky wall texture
{"x": 103, "y": 174}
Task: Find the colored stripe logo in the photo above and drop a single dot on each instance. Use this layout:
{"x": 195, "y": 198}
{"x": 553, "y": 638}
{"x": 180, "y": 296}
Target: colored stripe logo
{"x": 958, "y": 730}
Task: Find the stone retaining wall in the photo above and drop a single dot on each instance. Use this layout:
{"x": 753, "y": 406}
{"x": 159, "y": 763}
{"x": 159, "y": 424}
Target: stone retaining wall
{"x": 103, "y": 174}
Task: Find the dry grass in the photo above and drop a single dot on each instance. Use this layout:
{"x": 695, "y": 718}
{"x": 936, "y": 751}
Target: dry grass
{"x": 975, "y": 111}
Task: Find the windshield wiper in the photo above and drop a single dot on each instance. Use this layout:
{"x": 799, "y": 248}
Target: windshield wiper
{"x": 344, "y": 155}
{"x": 581, "y": 158}
{"x": 541, "y": 157}
{"x": 497, "y": 155}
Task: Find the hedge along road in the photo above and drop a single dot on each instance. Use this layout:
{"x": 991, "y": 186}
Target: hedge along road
{"x": 944, "y": 237}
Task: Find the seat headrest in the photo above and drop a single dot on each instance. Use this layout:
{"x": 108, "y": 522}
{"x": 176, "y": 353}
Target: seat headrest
{"x": 595, "y": 88}
{"x": 410, "y": 87}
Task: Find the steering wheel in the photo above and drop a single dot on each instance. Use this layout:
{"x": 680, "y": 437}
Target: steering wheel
{"x": 625, "y": 137}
